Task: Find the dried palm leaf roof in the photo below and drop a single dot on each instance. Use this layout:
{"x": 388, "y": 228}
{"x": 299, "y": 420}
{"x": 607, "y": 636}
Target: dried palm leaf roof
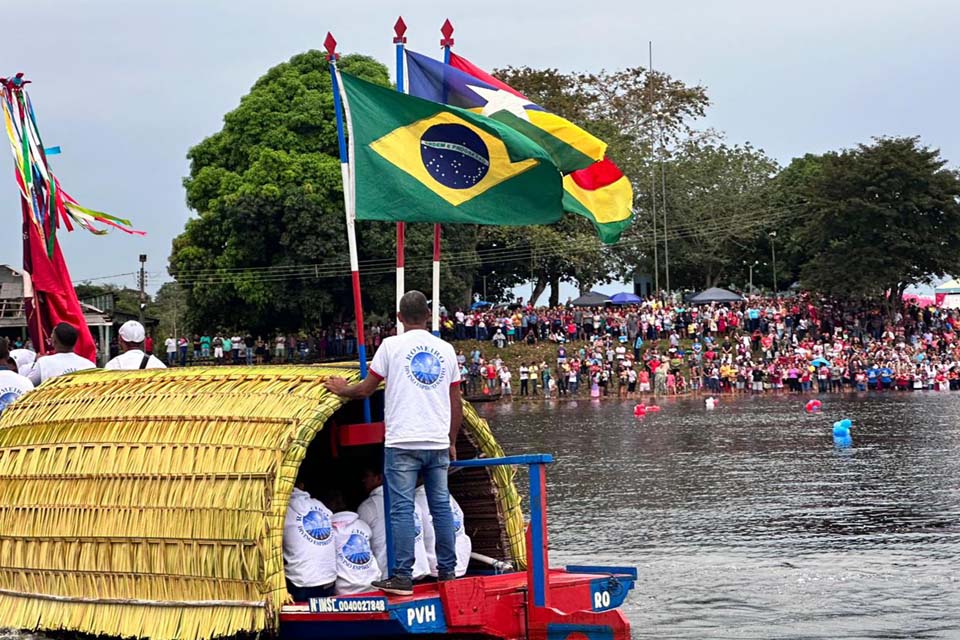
{"x": 151, "y": 503}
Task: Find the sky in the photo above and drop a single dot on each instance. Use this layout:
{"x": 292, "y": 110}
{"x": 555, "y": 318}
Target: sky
{"x": 126, "y": 88}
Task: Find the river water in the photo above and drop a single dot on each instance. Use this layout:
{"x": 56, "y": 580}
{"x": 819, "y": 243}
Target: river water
{"x": 746, "y": 521}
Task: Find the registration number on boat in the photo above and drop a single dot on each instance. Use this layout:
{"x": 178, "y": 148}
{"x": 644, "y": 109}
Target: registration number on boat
{"x": 348, "y": 605}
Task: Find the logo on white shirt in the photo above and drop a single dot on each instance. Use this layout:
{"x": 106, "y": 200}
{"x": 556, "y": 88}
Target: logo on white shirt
{"x": 7, "y": 397}
{"x": 315, "y": 526}
{"x": 417, "y": 526}
{"x": 356, "y": 550}
{"x": 424, "y": 367}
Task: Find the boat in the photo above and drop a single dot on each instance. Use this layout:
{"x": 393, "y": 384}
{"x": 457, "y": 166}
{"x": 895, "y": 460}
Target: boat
{"x": 151, "y": 504}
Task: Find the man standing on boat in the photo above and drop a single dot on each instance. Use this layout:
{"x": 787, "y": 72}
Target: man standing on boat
{"x": 132, "y": 337}
{"x": 422, "y": 412}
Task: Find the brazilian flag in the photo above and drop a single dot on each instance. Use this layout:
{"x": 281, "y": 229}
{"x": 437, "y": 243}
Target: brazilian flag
{"x": 419, "y": 161}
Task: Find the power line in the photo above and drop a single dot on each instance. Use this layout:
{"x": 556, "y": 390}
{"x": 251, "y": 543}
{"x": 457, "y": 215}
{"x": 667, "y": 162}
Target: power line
{"x": 554, "y": 249}
{"x": 375, "y": 267}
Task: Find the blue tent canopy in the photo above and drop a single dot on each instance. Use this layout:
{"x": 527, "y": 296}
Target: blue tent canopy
{"x": 625, "y": 298}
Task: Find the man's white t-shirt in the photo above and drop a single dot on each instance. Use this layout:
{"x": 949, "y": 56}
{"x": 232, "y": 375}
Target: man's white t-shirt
{"x": 356, "y": 565}
{"x": 371, "y": 512}
{"x": 309, "y": 550}
{"x": 464, "y": 545}
{"x": 131, "y": 360}
{"x": 12, "y": 386}
{"x": 418, "y": 368}
{"x": 58, "y": 364}
{"x": 171, "y": 345}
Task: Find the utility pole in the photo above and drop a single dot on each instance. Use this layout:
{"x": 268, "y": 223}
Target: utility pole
{"x": 143, "y": 284}
{"x": 653, "y": 182}
{"x": 663, "y": 206}
{"x": 484, "y": 288}
{"x": 773, "y": 251}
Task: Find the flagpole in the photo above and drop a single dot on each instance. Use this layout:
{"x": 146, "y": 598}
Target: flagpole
{"x": 399, "y": 29}
{"x": 349, "y": 203}
{"x": 446, "y": 42}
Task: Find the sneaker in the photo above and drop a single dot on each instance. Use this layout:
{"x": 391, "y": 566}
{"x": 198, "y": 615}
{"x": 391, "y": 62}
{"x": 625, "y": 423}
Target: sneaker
{"x": 446, "y": 576}
{"x": 396, "y": 585}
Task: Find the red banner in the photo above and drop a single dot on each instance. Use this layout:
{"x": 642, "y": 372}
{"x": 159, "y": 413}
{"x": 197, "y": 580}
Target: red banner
{"x": 48, "y": 294}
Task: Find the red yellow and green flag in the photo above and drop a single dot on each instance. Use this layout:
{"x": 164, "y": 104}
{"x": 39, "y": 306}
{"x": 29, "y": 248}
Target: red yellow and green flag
{"x": 594, "y": 187}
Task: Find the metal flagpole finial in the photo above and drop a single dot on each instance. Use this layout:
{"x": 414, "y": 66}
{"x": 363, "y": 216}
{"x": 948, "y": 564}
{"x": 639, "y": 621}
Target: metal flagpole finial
{"x": 330, "y": 44}
{"x": 400, "y": 28}
{"x": 447, "y": 31}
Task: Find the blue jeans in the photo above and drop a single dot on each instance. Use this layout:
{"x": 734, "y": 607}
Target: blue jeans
{"x": 401, "y": 468}
{"x": 249, "y": 355}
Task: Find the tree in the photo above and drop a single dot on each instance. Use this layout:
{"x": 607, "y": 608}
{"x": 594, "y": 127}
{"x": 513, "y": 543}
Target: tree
{"x": 267, "y": 249}
{"x": 876, "y": 219}
{"x": 715, "y": 197}
{"x": 169, "y": 306}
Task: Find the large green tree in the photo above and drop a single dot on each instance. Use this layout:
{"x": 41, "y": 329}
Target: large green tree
{"x": 874, "y": 219}
{"x": 267, "y": 248}
{"x": 716, "y": 210}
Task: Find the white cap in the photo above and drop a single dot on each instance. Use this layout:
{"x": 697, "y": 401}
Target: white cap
{"x": 132, "y": 331}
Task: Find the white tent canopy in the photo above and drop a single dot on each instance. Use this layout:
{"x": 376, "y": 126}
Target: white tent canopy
{"x": 948, "y": 294}
{"x": 951, "y": 286}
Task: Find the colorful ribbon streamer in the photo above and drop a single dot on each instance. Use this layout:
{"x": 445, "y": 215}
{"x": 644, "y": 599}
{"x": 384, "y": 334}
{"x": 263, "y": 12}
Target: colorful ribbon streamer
{"x": 49, "y": 205}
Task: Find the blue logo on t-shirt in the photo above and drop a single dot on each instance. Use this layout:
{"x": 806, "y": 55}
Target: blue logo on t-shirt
{"x": 6, "y": 399}
{"x": 357, "y": 549}
{"x": 425, "y": 367}
{"x": 316, "y": 525}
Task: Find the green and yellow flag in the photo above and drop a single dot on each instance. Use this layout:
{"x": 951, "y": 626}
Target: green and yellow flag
{"x": 418, "y": 161}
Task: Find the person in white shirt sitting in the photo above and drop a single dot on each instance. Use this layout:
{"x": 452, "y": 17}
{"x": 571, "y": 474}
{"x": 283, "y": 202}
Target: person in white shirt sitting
{"x": 25, "y": 359}
{"x": 64, "y": 338}
{"x": 356, "y": 564}
{"x": 12, "y": 384}
{"x": 309, "y": 547}
{"x": 133, "y": 357}
{"x": 371, "y": 512}
{"x": 463, "y": 543}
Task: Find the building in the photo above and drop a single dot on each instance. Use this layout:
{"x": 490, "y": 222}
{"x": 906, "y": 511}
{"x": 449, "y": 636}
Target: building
{"x": 13, "y": 319}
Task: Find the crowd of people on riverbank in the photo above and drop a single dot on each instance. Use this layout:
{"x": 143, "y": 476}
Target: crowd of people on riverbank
{"x": 762, "y": 344}
{"x": 755, "y": 346}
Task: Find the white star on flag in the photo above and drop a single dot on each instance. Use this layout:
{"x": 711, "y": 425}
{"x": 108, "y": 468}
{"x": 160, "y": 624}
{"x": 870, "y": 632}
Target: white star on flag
{"x": 501, "y": 101}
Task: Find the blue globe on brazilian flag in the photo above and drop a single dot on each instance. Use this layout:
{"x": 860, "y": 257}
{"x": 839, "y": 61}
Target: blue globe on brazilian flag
{"x": 420, "y": 161}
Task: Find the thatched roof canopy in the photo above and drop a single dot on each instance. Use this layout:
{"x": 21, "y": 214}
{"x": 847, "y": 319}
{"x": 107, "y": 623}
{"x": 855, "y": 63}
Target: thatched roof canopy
{"x": 151, "y": 503}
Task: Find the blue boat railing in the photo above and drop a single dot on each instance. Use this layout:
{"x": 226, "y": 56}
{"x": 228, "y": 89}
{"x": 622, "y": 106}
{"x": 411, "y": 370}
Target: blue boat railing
{"x": 537, "y": 549}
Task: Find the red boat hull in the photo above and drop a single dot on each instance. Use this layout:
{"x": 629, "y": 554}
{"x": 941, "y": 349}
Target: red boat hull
{"x": 584, "y": 603}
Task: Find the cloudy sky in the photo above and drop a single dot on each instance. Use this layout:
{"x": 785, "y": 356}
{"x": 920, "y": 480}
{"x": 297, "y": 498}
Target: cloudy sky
{"x": 125, "y": 88}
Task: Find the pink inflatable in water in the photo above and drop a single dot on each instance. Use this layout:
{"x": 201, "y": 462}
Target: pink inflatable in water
{"x": 653, "y": 408}
{"x": 813, "y": 406}
{"x": 639, "y": 410}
